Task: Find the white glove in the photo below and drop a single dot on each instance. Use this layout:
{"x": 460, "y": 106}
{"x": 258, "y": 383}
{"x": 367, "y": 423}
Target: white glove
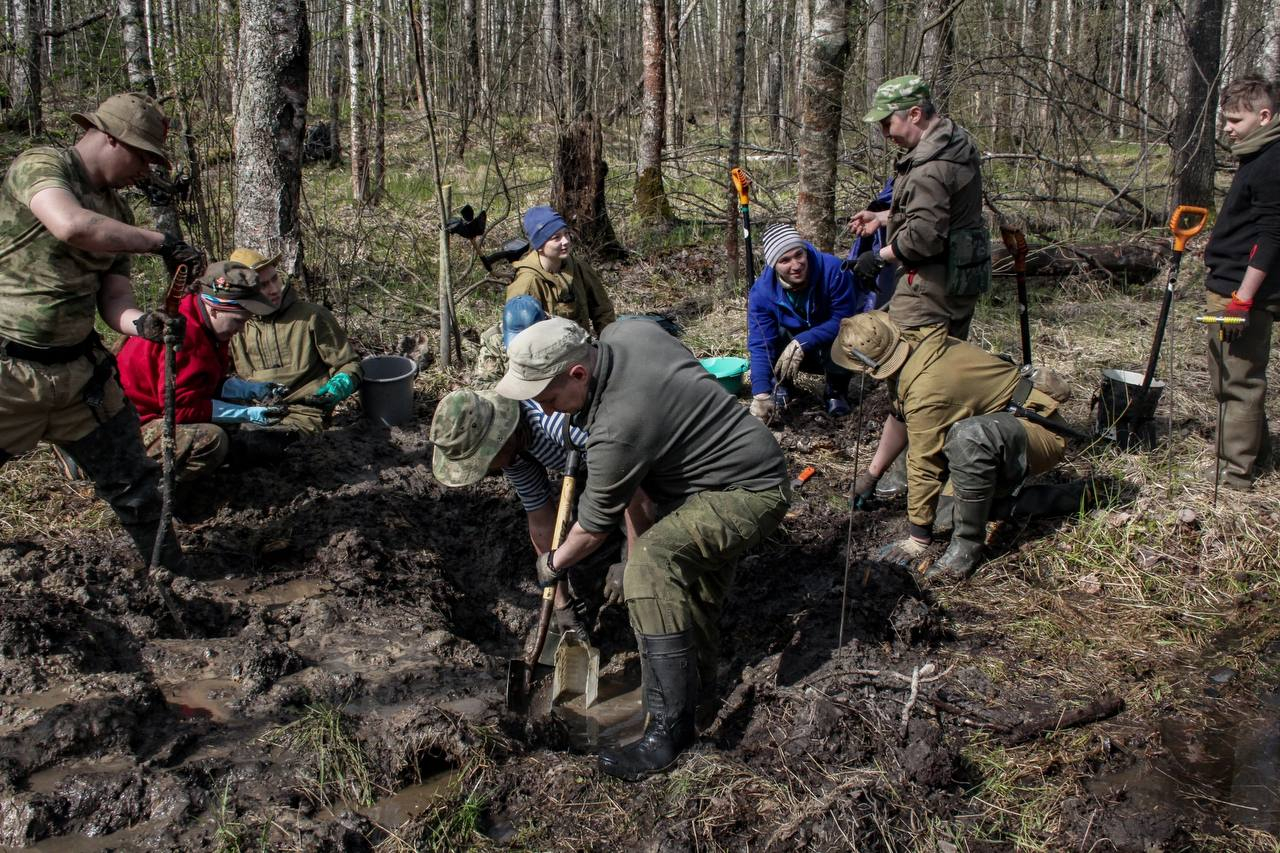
{"x": 789, "y": 362}
{"x": 762, "y": 406}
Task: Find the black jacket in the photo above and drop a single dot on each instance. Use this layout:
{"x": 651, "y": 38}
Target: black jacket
{"x": 1247, "y": 232}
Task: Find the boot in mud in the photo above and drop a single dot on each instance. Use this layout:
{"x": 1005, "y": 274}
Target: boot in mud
{"x": 112, "y": 456}
{"x": 670, "y": 689}
{"x": 944, "y": 516}
{"x": 967, "y": 540}
{"x": 894, "y": 482}
{"x": 255, "y": 448}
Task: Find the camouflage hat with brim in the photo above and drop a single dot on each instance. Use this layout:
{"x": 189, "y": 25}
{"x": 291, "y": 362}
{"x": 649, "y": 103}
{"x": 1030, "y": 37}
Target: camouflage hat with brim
{"x": 468, "y": 430}
{"x": 229, "y": 286}
{"x": 131, "y": 118}
{"x": 900, "y": 93}
{"x": 870, "y": 343}
{"x": 254, "y": 259}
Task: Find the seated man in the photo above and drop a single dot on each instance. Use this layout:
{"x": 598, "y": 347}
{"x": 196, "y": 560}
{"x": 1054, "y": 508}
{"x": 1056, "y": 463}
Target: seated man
{"x": 564, "y": 284}
{"x": 478, "y": 432}
{"x": 298, "y": 345}
{"x": 793, "y": 313}
{"x": 226, "y": 296}
{"x": 657, "y": 421}
{"x": 954, "y": 399}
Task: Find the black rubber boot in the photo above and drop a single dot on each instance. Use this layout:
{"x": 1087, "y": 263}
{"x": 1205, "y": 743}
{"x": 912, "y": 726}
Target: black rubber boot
{"x": 967, "y": 539}
{"x": 894, "y": 482}
{"x": 836, "y": 395}
{"x": 670, "y": 692}
{"x": 254, "y": 448}
{"x": 128, "y": 479}
{"x": 944, "y": 517}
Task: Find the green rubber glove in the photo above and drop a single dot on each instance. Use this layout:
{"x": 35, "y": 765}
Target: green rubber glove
{"x": 333, "y": 392}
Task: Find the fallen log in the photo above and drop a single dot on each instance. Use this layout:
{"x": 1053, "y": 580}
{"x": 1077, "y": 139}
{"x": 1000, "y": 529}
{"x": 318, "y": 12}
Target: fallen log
{"x": 1134, "y": 262}
{"x": 1099, "y": 709}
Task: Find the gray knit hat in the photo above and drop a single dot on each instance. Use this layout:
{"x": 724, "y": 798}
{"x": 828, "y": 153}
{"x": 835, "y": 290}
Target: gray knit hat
{"x": 780, "y": 239}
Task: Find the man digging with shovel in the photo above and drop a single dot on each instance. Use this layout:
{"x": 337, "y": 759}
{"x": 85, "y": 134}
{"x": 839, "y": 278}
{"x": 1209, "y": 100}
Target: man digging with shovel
{"x": 657, "y": 420}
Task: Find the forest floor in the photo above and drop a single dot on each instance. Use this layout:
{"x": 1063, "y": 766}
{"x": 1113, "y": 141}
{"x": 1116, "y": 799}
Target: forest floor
{"x": 349, "y": 622}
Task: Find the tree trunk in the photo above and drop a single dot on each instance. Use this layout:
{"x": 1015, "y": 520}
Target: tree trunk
{"x": 737, "y": 95}
{"x": 229, "y": 25}
{"x": 1271, "y": 46}
{"x": 470, "y": 83}
{"x": 419, "y": 64}
{"x": 877, "y": 40}
{"x": 333, "y": 86}
{"x": 823, "y": 94}
{"x": 378, "y": 167}
{"x": 27, "y": 89}
{"x": 575, "y": 59}
{"x": 1193, "y": 135}
{"x": 551, "y": 60}
{"x": 675, "y": 78}
{"x": 773, "y": 72}
{"x": 133, "y": 34}
{"x": 652, "y": 206}
{"x": 275, "y": 42}
{"x": 359, "y": 122}
{"x": 577, "y": 185}
{"x": 937, "y": 48}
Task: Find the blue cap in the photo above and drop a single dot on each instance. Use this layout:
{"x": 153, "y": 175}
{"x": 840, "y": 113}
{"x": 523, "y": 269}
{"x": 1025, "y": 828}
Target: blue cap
{"x": 540, "y": 223}
{"x": 518, "y": 314}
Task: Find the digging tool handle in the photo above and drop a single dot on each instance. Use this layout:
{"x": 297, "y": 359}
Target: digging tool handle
{"x": 563, "y": 511}
{"x": 1016, "y": 242}
{"x": 1186, "y": 222}
{"x": 742, "y": 183}
{"x": 172, "y": 302}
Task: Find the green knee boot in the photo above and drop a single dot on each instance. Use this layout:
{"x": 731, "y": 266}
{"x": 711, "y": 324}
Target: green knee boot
{"x": 967, "y": 539}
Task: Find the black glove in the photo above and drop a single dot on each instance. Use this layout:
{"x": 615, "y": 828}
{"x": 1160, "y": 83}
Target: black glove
{"x": 572, "y": 619}
{"x": 864, "y": 490}
{"x": 153, "y": 325}
{"x": 613, "y": 584}
{"x": 869, "y": 264}
{"x": 178, "y": 253}
{"x": 547, "y": 572}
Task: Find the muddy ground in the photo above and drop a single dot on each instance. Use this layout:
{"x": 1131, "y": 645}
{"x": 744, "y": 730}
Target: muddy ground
{"x": 340, "y": 686}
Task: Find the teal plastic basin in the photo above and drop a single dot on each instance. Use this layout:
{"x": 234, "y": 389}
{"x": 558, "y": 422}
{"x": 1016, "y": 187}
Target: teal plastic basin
{"x": 728, "y": 370}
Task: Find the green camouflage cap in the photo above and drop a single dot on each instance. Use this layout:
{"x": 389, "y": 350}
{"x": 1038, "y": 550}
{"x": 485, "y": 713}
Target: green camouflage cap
{"x": 468, "y": 430}
{"x": 133, "y": 119}
{"x": 900, "y": 93}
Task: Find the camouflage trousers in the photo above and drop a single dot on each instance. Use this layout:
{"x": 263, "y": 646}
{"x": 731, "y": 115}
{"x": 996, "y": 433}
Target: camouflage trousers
{"x": 45, "y": 402}
{"x": 681, "y": 570}
{"x": 198, "y": 449}
{"x": 491, "y": 362}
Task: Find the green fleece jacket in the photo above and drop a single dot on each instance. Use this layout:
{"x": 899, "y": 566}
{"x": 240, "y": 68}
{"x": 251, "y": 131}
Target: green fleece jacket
{"x": 300, "y": 345}
{"x": 574, "y": 293}
{"x": 938, "y": 190}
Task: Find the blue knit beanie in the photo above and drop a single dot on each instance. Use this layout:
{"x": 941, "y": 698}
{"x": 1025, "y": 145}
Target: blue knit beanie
{"x": 540, "y": 223}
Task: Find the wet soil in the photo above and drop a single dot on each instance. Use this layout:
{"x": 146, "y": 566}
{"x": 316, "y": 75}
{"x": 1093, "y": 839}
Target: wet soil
{"x": 346, "y": 587}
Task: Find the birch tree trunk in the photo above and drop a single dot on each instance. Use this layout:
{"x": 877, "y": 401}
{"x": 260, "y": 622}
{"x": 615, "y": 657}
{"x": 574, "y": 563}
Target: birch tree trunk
{"x": 378, "y": 168}
{"x": 652, "y": 206}
{"x": 133, "y": 34}
{"x": 675, "y": 77}
{"x": 275, "y": 43}
{"x": 1193, "y": 135}
{"x": 823, "y": 93}
{"x": 356, "y": 90}
{"x": 27, "y": 116}
{"x": 551, "y": 59}
{"x": 1271, "y": 45}
{"x": 737, "y": 97}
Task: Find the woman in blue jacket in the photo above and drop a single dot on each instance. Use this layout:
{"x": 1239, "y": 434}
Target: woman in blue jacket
{"x": 793, "y": 314}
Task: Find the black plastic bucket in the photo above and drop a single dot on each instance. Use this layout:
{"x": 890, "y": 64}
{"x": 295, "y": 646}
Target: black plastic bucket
{"x": 1119, "y": 414}
{"x": 386, "y": 391}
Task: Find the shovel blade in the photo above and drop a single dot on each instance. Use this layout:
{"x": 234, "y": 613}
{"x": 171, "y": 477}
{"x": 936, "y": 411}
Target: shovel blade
{"x": 518, "y": 688}
{"x": 577, "y": 673}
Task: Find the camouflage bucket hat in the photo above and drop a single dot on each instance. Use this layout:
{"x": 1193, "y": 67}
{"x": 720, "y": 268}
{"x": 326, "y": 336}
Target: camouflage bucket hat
{"x": 468, "y": 430}
{"x": 131, "y": 118}
{"x": 870, "y": 343}
{"x": 229, "y": 286}
{"x": 900, "y": 93}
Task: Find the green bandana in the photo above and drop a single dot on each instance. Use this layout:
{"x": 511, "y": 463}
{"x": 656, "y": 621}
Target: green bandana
{"x": 1259, "y": 139}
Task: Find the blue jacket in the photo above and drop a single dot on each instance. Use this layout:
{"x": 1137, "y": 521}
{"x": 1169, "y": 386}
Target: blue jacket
{"x": 772, "y": 321}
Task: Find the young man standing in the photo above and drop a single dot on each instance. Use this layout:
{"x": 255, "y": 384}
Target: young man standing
{"x": 65, "y": 242}
{"x": 1243, "y": 280}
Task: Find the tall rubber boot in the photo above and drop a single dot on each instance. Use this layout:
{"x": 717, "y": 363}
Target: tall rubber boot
{"x": 670, "y": 694}
{"x": 836, "y": 395}
{"x": 967, "y": 539}
{"x": 894, "y": 482}
{"x": 124, "y": 476}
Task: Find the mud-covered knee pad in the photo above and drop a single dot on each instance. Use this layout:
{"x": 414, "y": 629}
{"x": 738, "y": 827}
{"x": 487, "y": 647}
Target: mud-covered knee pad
{"x": 986, "y": 454}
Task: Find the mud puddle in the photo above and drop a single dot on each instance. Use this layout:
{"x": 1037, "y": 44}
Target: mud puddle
{"x": 273, "y": 595}
{"x": 202, "y": 699}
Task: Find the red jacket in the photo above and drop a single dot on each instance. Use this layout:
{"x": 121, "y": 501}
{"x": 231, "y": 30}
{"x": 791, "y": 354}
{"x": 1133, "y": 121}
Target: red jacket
{"x": 202, "y": 363}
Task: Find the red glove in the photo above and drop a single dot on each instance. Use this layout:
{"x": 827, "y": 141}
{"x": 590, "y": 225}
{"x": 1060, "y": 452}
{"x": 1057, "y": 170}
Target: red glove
{"x": 1237, "y": 308}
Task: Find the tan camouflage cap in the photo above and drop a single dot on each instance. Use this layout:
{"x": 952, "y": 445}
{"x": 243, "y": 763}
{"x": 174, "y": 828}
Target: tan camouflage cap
{"x": 468, "y": 430}
{"x": 870, "y": 343}
{"x": 131, "y": 118}
{"x": 254, "y": 259}
{"x": 900, "y": 93}
{"x": 229, "y": 286}
{"x": 541, "y": 353}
